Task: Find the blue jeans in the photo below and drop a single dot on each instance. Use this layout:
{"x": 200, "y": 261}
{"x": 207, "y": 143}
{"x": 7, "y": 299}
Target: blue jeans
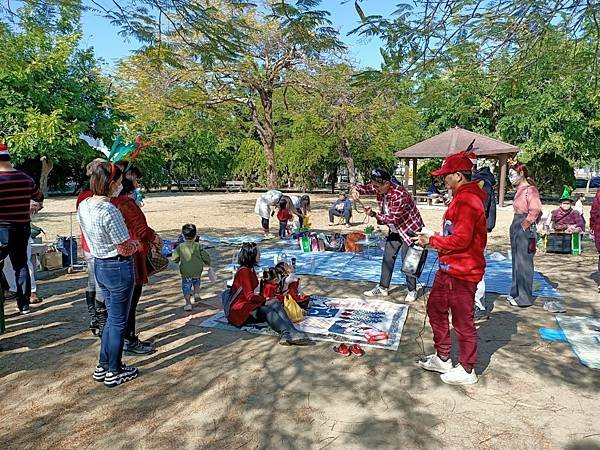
{"x": 115, "y": 279}
{"x": 188, "y": 283}
{"x": 14, "y": 238}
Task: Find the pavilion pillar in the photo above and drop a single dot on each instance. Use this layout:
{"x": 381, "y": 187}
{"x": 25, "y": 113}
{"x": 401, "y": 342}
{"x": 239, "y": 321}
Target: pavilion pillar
{"x": 414, "y": 177}
{"x": 406, "y": 172}
{"x": 503, "y": 163}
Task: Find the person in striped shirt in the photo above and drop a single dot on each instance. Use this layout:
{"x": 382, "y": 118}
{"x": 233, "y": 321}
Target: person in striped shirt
{"x": 17, "y": 190}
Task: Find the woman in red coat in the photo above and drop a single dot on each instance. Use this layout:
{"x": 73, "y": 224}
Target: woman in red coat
{"x": 243, "y": 306}
{"x": 140, "y": 231}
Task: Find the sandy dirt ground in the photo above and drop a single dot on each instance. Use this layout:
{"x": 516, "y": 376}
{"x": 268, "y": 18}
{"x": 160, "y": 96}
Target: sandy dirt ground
{"x": 221, "y": 390}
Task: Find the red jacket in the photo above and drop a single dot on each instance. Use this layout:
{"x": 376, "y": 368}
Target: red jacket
{"x": 595, "y": 218}
{"x": 283, "y": 215}
{"x": 465, "y": 235}
{"x": 139, "y": 231}
{"x": 247, "y": 301}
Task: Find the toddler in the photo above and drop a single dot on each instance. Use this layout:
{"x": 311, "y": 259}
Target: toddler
{"x": 283, "y": 215}
{"x": 191, "y": 258}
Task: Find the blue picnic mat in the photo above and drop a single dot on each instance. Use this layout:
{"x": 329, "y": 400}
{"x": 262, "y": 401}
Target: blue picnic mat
{"x": 232, "y": 240}
{"x": 583, "y": 334}
{"x": 338, "y": 320}
{"x": 361, "y": 267}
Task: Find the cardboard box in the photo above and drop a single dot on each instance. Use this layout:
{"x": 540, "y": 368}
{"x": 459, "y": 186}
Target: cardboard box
{"x": 51, "y": 261}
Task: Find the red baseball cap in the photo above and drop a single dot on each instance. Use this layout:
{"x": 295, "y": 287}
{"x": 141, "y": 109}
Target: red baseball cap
{"x": 458, "y": 162}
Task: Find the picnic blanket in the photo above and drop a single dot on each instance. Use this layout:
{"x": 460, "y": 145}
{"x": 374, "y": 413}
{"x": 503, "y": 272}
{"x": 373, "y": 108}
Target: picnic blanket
{"x": 583, "y": 334}
{"x": 232, "y": 240}
{"x": 338, "y": 320}
{"x": 358, "y": 267}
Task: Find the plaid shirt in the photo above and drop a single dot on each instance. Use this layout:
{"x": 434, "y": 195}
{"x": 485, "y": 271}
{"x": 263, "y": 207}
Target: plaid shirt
{"x": 397, "y": 210}
{"x": 103, "y": 227}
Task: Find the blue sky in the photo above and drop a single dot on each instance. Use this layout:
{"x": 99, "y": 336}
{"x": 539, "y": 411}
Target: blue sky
{"x": 108, "y": 45}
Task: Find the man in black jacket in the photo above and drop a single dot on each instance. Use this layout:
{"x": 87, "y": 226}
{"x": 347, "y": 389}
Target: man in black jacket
{"x": 487, "y": 181}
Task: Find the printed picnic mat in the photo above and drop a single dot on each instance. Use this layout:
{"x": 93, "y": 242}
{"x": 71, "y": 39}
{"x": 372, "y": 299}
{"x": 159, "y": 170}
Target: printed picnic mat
{"x": 583, "y": 333}
{"x": 338, "y": 320}
{"x": 367, "y": 267}
{"x": 232, "y": 240}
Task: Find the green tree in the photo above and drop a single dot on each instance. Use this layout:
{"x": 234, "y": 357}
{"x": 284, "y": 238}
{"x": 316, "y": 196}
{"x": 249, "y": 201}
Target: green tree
{"x": 278, "y": 41}
{"x": 51, "y": 91}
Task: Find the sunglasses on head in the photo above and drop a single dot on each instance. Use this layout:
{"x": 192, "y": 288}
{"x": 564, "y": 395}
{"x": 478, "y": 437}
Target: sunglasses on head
{"x": 378, "y": 176}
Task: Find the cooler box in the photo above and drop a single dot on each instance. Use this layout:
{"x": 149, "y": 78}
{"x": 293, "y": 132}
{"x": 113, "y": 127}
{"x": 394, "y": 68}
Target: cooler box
{"x": 558, "y": 243}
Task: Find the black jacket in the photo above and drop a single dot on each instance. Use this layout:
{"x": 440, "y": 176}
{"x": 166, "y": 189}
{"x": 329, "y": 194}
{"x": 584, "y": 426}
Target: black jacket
{"x": 489, "y": 205}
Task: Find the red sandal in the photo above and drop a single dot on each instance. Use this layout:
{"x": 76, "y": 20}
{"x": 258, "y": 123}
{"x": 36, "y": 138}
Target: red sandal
{"x": 357, "y": 350}
{"x": 342, "y": 349}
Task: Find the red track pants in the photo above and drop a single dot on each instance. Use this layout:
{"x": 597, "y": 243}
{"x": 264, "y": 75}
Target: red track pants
{"x": 450, "y": 294}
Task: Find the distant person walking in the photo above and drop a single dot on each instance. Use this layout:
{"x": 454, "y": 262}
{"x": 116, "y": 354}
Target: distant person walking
{"x": 523, "y": 235}
{"x": 17, "y": 190}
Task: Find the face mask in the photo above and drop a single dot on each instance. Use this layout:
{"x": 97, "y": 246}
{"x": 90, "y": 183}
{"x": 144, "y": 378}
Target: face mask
{"x": 565, "y": 207}
{"x": 513, "y": 177}
{"x": 117, "y": 191}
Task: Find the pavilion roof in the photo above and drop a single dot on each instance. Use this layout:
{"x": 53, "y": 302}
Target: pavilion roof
{"x": 455, "y": 140}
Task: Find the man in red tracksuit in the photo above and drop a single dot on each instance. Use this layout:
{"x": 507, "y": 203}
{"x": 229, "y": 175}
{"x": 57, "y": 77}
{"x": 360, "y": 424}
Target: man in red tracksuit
{"x": 462, "y": 264}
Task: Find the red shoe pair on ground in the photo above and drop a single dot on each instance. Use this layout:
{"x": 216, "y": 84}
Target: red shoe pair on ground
{"x": 347, "y": 350}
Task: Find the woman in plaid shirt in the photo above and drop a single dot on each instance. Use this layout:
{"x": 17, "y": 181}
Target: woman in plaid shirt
{"x": 108, "y": 240}
{"x": 399, "y": 212}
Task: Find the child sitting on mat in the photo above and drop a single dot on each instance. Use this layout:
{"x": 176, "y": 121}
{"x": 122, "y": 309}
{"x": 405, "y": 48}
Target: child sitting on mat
{"x": 289, "y": 284}
{"x": 191, "y": 258}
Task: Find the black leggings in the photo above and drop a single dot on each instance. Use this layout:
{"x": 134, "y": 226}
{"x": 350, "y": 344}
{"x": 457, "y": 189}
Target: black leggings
{"x": 135, "y": 298}
{"x": 273, "y": 313}
{"x": 265, "y": 223}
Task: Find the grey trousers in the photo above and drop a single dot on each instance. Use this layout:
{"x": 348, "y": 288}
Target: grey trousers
{"x": 522, "y": 262}
{"x": 393, "y": 245}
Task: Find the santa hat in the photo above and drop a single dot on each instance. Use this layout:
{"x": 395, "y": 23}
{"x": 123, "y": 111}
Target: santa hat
{"x": 4, "y": 155}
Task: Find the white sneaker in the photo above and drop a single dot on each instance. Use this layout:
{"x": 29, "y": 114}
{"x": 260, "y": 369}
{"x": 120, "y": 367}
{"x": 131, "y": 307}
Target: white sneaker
{"x": 511, "y": 300}
{"x": 377, "y": 291}
{"x": 188, "y": 308}
{"x": 434, "y": 363}
{"x": 458, "y": 375}
{"x": 410, "y": 297}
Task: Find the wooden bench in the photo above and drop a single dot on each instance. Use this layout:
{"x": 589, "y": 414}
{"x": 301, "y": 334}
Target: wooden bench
{"x": 188, "y": 184}
{"x": 419, "y": 198}
{"x": 234, "y": 184}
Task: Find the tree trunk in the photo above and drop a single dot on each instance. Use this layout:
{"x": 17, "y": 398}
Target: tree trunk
{"x": 347, "y": 158}
{"x": 266, "y": 133}
{"x": 269, "y": 147}
{"x": 170, "y": 185}
{"x": 47, "y": 166}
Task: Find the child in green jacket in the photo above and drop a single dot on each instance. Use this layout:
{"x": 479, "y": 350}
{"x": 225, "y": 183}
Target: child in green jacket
{"x": 191, "y": 258}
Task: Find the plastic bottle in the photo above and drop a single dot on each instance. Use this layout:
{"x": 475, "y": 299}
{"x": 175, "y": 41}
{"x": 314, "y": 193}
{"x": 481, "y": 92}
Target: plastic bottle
{"x": 575, "y": 244}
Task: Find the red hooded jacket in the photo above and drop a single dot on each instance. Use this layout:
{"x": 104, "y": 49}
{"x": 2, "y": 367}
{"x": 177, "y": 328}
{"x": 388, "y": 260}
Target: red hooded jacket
{"x": 464, "y": 236}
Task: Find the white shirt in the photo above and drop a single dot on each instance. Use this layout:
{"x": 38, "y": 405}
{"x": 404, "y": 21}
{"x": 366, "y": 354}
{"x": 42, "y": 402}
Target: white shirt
{"x": 265, "y": 201}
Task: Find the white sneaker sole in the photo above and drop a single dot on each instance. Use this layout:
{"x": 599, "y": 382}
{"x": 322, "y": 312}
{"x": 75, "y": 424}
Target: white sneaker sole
{"x": 460, "y": 383}
{"x": 423, "y": 366}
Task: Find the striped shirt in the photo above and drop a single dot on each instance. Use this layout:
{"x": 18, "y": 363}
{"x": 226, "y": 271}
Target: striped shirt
{"x": 17, "y": 189}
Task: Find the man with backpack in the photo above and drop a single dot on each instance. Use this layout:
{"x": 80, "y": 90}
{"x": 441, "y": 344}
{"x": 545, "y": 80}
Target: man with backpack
{"x": 486, "y": 181}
